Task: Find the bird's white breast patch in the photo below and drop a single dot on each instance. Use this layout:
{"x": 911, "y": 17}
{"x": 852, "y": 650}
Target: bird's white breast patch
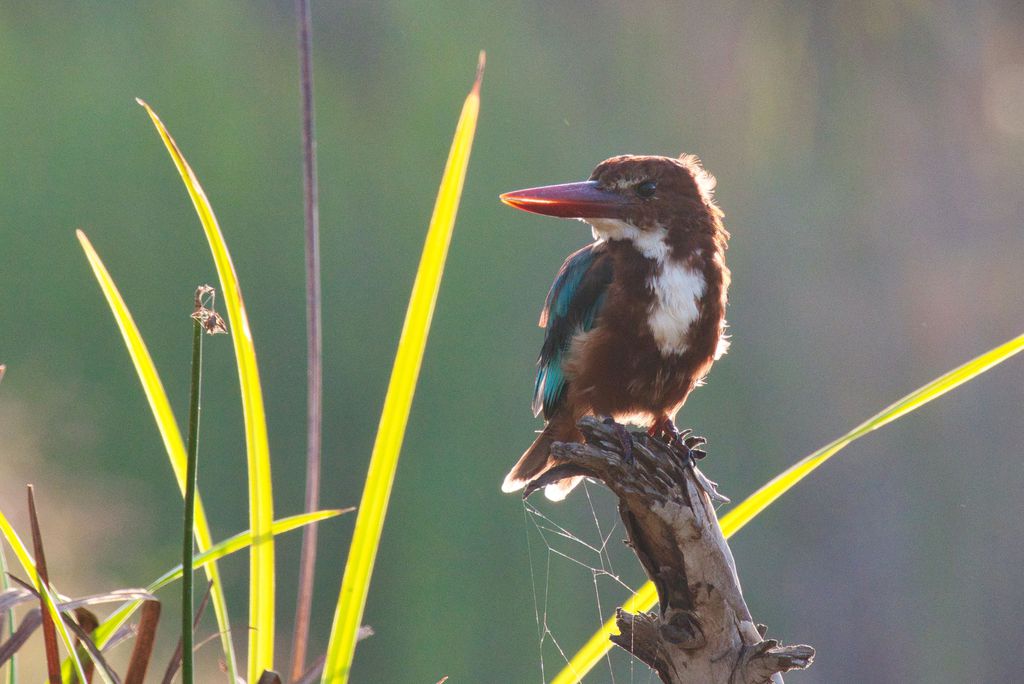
{"x": 677, "y": 291}
{"x": 677, "y": 288}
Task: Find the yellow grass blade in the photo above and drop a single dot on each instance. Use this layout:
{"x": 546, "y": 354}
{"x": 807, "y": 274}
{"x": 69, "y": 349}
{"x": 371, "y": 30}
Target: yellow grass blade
{"x": 230, "y": 545}
{"x": 28, "y": 564}
{"x": 168, "y": 427}
{"x": 261, "y": 505}
{"x": 384, "y": 459}
{"x": 737, "y": 518}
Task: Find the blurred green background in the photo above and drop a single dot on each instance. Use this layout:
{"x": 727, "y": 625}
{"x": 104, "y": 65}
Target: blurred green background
{"x": 869, "y": 158}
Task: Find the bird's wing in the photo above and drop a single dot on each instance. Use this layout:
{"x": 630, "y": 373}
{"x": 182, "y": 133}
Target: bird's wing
{"x": 572, "y": 306}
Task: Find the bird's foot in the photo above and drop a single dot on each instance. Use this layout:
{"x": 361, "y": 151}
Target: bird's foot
{"x": 684, "y": 442}
{"x": 625, "y": 439}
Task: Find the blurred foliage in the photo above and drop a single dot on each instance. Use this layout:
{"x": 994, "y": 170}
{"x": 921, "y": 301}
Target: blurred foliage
{"x": 869, "y": 157}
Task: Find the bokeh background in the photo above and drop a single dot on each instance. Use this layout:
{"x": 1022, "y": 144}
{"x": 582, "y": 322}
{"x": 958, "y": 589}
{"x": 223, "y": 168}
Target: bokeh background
{"x": 869, "y": 158}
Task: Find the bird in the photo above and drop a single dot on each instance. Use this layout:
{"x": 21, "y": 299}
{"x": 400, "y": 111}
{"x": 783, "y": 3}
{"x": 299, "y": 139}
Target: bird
{"x": 634, "y": 320}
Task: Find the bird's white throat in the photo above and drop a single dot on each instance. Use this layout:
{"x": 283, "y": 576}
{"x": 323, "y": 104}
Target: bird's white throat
{"x": 650, "y": 243}
{"x": 678, "y": 288}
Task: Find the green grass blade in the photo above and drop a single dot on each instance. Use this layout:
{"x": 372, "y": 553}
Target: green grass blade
{"x": 214, "y": 553}
{"x": 261, "y": 505}
{"x": 169, "y": 433}
{"x": 29, "y": 566}
{"x": 737, "y": 518}
{"x": 394, "y": 416}
{"x": 188, "y": 542}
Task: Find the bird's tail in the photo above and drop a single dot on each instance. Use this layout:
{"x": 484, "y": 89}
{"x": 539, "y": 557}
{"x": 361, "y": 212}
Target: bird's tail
{"x": 538, "y": 459}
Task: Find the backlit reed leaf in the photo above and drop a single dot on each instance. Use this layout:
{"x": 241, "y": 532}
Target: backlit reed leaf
{"x": 168, "y": 427}
{"x": 355, "y": 584}
{"x": 261, "y": 505}
{"x": 645, "y": 598}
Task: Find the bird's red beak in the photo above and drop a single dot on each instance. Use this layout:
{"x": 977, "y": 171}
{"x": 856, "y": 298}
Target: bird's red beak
{"x": 570, "y": 200}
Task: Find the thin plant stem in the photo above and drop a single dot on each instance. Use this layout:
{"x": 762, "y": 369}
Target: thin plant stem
{"x": 314, "y": 376}
{"x": 190, "y": 500}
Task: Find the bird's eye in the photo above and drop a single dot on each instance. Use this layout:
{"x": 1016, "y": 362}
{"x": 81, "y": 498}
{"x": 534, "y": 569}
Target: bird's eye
{"x": 646, "y": 189}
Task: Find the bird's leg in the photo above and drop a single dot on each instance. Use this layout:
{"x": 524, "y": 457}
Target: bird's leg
{"x": 625, "y": 439}
{"x": 685, "y": 443}
{"x": 665, "y": 430}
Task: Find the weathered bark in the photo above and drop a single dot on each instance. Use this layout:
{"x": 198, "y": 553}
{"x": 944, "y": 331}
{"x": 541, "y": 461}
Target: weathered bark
{"x": 703, "y": 632}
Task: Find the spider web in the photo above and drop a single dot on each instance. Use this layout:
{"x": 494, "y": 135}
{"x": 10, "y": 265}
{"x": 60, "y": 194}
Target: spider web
{"x": 570, "y": 548}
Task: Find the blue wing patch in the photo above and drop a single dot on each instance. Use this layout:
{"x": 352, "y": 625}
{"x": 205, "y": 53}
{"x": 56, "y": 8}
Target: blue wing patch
{"x": 572, "y": 307}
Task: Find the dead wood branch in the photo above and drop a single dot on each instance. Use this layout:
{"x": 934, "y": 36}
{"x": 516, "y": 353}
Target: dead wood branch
{"x": 702, "y": 632}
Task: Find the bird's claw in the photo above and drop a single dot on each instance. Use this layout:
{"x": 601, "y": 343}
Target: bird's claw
{"x": 684, "y": 442}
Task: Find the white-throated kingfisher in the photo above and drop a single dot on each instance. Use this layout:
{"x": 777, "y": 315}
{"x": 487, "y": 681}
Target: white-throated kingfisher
{"x": 635, "y": 319}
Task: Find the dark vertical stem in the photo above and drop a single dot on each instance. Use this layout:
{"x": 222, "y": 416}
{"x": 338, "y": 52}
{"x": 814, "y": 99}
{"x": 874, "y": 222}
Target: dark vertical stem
{"x": 43, "y": 577}
{"x": 314, "y": 377}
{"x": 145, "y": 638}
{"x": 188, "y": 546}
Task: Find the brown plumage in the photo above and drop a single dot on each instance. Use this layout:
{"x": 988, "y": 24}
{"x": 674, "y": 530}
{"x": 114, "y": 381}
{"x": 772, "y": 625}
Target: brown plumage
{"x": 634, "y": 320}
